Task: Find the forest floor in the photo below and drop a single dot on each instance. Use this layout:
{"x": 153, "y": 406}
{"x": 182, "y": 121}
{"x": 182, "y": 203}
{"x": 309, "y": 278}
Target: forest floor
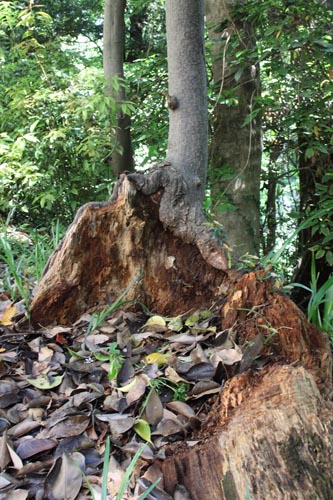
{"x": 93, "y": 410}
{"x": 145, "y": 381}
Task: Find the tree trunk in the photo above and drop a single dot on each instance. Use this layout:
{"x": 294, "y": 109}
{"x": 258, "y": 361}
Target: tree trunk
{"x": 113, "y": 58}
{"x": 182, "y": 177}
{"x": 268, "y": 434}
{"x": 235, "y": 148}
{"x": 311, "y": 172}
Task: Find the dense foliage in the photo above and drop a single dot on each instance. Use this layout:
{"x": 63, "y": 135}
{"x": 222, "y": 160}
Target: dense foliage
{"x": 295, "y": 47}
{"x": 55, "y": 140}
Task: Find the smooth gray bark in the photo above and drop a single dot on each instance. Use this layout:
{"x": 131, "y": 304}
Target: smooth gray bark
{"x": 187, "y": 84}
{"x": 181, "y": 179}
{"x": 235, "y": 146}
{"x": 113, "y": 64}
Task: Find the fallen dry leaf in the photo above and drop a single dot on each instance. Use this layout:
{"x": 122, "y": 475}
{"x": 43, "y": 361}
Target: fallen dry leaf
{"x": 65, "y": 477}
{"x": 7, "y": 316}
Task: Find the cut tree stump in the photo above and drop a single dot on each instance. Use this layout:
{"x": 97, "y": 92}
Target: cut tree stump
{"x": 107, "y": 247}
{"x": 269, "y": 435}
{"x": 269, "y": 438}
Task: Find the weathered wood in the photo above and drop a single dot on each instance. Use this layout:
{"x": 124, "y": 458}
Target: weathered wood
{"x": 107, "y": 247}
{"x": 269, "y": 438}
{"x": 254, "y": 306}
{"x": 270, "y": 433}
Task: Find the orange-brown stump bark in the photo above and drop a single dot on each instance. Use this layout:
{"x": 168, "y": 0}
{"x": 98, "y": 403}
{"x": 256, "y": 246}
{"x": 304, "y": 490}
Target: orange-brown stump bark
{"x": 270, "y": 435}
{"x": 107, "y": 247}
{"x": 269, "y": 438}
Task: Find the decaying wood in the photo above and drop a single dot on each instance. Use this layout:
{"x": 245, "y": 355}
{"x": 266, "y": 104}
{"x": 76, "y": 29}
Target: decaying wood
{"x": 108, "y": 246}
{"x": 270, "y": 438}
{"x": 270, "y": 433}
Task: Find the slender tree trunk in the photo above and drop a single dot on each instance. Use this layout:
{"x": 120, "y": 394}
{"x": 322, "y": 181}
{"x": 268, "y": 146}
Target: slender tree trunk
{"x": 113, "y": 57}
{"x": 188, "y": 133}
{"x": 310, "y": 174}
{"x": 235, "y": 146}
{"x": 183, "y": 176}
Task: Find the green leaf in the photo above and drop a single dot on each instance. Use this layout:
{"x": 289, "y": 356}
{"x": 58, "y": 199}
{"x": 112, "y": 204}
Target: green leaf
{"x": 142, "y": 428}
{"x": 192, "y": 320}
{"x": 44, "y": 382}
{"x": 156, "y": 321}
{"x": 328, "y": 238}
{"x": 175, "y": 324}
{"x": 239, "y": 73}
{"x": 206, "y": 314}
{"x": 329, "y": 257}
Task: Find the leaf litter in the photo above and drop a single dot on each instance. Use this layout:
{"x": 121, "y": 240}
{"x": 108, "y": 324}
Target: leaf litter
{"x": 142, "y": 381}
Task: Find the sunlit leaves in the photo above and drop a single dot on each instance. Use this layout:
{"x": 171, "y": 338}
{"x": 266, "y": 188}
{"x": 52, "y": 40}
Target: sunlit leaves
{"x": 45, "y": 383}
{"x": 142, "y": 428}
{"x": 55, "y": 120}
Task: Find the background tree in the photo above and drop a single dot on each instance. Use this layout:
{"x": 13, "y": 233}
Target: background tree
{"x": 235, "y": 150}
{"x": 113, "y": 64}
{"x": 56, "y": 120}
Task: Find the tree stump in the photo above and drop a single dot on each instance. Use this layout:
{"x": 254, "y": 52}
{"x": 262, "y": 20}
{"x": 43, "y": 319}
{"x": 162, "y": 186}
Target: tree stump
{"x": 269, "y": 434}
{"x": 108, "y": 246}
{"x": 269, "y": 438}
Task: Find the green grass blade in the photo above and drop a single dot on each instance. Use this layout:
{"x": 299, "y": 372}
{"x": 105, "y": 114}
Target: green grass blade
{"x": 149, "y": 490}
{"x": 128, "y": 473}
{"x": 104, "y": 493}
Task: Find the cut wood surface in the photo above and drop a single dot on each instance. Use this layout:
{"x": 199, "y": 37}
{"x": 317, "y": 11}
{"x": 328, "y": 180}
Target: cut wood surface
{"x": 269, "y": 438}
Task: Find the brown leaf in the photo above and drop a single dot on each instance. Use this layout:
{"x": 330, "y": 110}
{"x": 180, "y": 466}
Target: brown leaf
{"x": 204, "y": 388}
{"x": 33, "y": 446}
{"x": 138, "y": 390}
{"x": 4, "y": 453}
{"x": 200, "y": 371}
{"x": 181, "y": 408}
{"x": 154, "y": 408}
{"x": 226, "y": 356}
{"x": 173, "y": 376}
{"x": 118, "y": 423}
{"x": 6, "y": 480}
{"x": 34, "y": 467}
{"x": 23, "y": 427}
{"x": 75, "y": 443}
{"x": 17, "y": 462}
{"x": 17, "y": 495}
{"x": 72, "y": 426}
{"x": 126, "y": 372}
{"x": 251, "y": 352}
{"x": 115, "y": 477}
{"x": 167, "y": 428}
{"x": 65, "y": 478}
{"x": 132, "y": 447}
{"x": 184, "y": 338}
{"x": 8, "y": 393}
{"x": 198, "y": 356}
